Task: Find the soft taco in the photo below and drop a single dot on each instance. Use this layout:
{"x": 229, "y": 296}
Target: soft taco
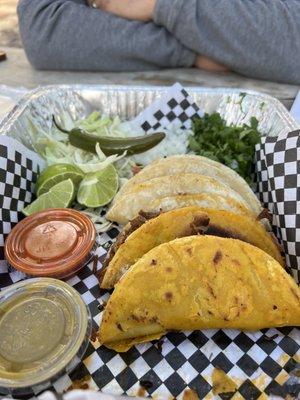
{"x": 199, "y": 282}
{"x": 144, "y": 194}
{"x": 148, "y": 231}
{"x": 192, "y": 164}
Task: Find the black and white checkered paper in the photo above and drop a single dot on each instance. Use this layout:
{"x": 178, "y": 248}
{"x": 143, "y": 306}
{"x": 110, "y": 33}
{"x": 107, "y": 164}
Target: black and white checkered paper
{"x": 278, "y": 176}
{"x": 263, "y": 364}
{"x": 175, "y": 107}
{"x": 18, "y": 173}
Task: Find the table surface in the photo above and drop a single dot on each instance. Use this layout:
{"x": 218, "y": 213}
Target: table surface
{"x": 16, "y": 71}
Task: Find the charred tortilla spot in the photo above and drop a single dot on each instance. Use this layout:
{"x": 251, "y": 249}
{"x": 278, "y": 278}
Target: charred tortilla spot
{"x": 153, "y": 262}
{"x": 169, "y": 296}
{"x": 144, "y": 318}
{"x": 275, "y": 307}
{"x": 119, "y": 326}
{"x": 137, "y": 319}
{"x": 189, "y": 250}
{"x": 218, "y": 257}
{"x": 236, "y": 262}
{"x": 211, "y": 291}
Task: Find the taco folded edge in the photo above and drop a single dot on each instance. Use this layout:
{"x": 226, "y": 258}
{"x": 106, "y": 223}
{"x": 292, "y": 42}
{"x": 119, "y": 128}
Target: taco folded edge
{"x": 199, "y": 282}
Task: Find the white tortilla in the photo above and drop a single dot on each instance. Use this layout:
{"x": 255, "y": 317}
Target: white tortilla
{"x": 148, "y": 196}
{"x": 183, "y": 164}
{"x": 203, "y": 200}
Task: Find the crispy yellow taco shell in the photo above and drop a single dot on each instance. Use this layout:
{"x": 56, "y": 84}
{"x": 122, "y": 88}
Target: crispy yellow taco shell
{"x": 144, "y": 194}
{"x": 199, "y": 282}
{"x": 141, "y": 236}
{"x": 186, "y": 164}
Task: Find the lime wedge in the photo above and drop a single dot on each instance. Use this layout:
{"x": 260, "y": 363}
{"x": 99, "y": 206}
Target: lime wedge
{"x": 98, "y": 188}
{"x": 59, "y": 196}
{"x": 54, "y": 174}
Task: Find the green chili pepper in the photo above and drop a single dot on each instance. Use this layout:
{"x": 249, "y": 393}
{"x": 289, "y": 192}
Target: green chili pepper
{"x": 111, "y": 145}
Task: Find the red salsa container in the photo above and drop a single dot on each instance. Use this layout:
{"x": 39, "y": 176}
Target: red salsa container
{"x": 53, "y": 243}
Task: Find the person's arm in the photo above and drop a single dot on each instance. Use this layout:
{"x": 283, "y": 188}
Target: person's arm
{"x": 69, "y": 35}
{"x": 257, "y": 38}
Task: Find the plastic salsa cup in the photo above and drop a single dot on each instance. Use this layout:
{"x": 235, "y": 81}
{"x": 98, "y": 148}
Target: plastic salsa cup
{"x": 44, "y": 332}
{"x": 53, "y": 243}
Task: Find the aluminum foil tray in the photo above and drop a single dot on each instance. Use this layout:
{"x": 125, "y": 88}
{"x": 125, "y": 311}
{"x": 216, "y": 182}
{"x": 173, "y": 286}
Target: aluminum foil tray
{"x": 262, "y": 364}
{"x": 127, "y": 101}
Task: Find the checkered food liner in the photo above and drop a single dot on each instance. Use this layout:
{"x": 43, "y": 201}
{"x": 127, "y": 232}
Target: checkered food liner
{"x": 18, "y": 173}
{"x": 259, "y": 363}
{"x": 278, "y": 186}
{"x": 174, "y": 108}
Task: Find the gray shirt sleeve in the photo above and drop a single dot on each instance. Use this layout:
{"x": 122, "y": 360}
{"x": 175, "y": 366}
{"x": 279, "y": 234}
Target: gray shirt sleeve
{"x": 69, "y": 35}
{"x": 257, "y": 38}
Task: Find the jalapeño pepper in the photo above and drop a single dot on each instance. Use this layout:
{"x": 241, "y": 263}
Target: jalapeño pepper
{"x": 111, "y": 145}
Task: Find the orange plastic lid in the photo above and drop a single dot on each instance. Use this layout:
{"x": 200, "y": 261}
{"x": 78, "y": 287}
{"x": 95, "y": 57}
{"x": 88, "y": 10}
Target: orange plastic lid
{"x": 54, "y": 243}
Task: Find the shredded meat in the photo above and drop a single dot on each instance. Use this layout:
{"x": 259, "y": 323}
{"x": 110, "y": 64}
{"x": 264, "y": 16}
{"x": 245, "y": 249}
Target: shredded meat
{"x": 198, "y": 226}
{"x": 132, "y": 226}
{"x": 265, "y": 213}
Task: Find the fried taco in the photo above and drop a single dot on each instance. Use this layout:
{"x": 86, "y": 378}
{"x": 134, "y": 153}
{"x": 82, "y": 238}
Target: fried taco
{"x": 144, "y": 194}
{"x": 199, "y": 282}
{"x": 203, "y": 200}
{"x": 192, "y": 164}
{"x": 148, "y": 231}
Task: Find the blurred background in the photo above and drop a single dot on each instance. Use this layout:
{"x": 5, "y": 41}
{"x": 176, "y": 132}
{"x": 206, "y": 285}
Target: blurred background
{"x": 9, "y": 35}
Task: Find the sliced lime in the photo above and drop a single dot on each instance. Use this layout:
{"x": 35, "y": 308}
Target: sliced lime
{"x": 59, "y": 196}
{"x": 54, "y": 174}
{"x": 98, "y": 188}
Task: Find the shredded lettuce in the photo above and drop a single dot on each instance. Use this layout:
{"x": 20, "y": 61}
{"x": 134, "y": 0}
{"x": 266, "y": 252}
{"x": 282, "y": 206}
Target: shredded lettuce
{"x": 97, "y": 216}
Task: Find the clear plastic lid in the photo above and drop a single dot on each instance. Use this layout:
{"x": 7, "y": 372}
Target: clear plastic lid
{"x": 44, "y": 331}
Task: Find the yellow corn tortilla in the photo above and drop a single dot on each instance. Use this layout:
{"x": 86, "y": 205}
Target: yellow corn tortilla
{"x": 144, "y": 194}
{"x": 199, "y": 282}
{"x": 183, "y": 164}
{"x": 185, "y": 222}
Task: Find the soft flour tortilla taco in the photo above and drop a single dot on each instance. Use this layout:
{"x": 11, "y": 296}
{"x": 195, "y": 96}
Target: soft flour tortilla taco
{"x": 144, "y": 194}
{"x": 142, "y": 235}
{"x": 199, "y": 282}
{"x": 192, "y": 164}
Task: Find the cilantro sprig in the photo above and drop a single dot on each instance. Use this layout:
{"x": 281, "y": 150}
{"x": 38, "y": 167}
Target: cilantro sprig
{"x": 231, "y": 145}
